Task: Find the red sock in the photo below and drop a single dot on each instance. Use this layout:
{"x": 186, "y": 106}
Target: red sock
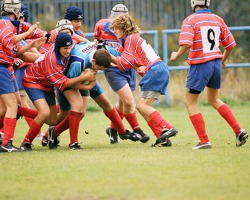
{"x": 27, "y": 112}
{"x": 157, "y": 123}
{"x": 32, "y": 132}
{"x": 28, "y": 120}
{"x": 132, "y": 120}
{"x": 62, "y": 126}
{"x": 228, "y": 115}
{"x": 199, "y": 126}
{"x": 112, "y": 125}
{"x": 1, "y": 123}
{"x": 116, "y": 120}
{"x": 74, "y": 122}
{"x": 8, "y": 129}
{"x": 156, "y": 129}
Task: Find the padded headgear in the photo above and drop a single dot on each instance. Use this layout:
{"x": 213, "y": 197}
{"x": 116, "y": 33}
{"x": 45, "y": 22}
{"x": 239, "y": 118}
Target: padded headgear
{"x": 11, "y": 6}
{"x": 64, "y": 24}
{"x": 118, "y": 9}
{"x": 73, "y": 13}
{"x": 199, "y": 3}
{"x": 24, "y": 12}
{"x": 62, "y": 40}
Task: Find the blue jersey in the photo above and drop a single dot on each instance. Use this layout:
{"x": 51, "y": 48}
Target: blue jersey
{"x": 81, "y": 57}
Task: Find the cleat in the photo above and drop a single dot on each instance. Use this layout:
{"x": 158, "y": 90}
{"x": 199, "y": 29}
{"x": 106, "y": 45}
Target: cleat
{"x": 130, "y": 136}
{"x": 52, "y": 138}
{"x": 166, "y": 143}
{"x": 26, "y": 146}
{"x": 166, "y": 133}
{"x": 113, "y": 136}
{"x": 241, "y": 137}
{"x": 44, "y": 141}
{"x": 9, "y": 148}
{"x": 74, "y": 146}
{"x": 144, "y": 137}
{"x": 203, "y": 146}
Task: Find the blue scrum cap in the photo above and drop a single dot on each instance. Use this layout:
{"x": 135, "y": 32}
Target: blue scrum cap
{"x": 73, "y": 13}
{"x": 62, "y": 40}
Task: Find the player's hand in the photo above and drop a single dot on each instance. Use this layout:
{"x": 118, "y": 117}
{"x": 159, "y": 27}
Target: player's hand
{"x": 37, "y": 43}
{"x": 174, "y": 56}
{"x": 223, "y": 65}
{"x": 88, "y": 74}
{"x": 33, "y": 27}
{"x": 141, "y": 70}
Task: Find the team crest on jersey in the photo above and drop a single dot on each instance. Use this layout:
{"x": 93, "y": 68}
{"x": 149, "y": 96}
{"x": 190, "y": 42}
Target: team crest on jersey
{"x": 89, "y": 48}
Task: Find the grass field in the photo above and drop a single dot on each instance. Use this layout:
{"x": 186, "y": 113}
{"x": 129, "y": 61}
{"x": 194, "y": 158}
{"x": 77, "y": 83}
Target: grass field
{"x": 132, "y": 171}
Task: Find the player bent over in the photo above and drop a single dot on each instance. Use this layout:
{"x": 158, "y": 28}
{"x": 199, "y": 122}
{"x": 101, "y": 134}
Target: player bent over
{"x": 39, "y": 81}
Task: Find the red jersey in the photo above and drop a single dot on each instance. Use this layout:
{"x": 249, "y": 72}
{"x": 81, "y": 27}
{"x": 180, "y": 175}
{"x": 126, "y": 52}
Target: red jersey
{"x": 46, "y": 73}
{"x": 7, "y": 38}
{"x": 137, "y": 52}
{"x": 205, "y": 32}
{"x": 47, "y": 45}
{"x": 102, "y": 32}
{"x": 79, "y": 32}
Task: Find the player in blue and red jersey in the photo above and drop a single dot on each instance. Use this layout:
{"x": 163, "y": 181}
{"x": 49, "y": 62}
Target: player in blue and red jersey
{"x": 9, "y": 96}
{"x": 203, "y": 33}
{"x": 39, "y": 81}
{"x": 122, "y": 82}
{"x": 138, "y": 54}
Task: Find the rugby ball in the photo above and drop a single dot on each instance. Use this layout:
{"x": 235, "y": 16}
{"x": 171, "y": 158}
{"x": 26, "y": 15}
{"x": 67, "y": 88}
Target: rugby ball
{"x": 87, "y": 82}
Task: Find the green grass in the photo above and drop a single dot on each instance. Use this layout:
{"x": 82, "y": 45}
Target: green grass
{"x": 132, "y": 171}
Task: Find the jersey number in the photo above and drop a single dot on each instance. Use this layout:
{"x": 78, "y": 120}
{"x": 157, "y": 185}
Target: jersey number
{"x": 210, "y": 38}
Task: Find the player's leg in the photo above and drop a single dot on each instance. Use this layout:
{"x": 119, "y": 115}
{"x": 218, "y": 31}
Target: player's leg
{"x": 126, "y": 96}
{"x": 97, "y": 94}
{"x": 9, "y": 103}
{"x": 225, "y": 111}
{"x": 75, "y": 116}
{"x": 46, "y": 108}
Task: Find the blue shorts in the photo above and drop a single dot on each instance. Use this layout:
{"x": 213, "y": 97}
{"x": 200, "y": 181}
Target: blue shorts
{"x": 35, "y": 94}
{"x": 94, "y": 92}
{"x": 62, "y": 101}
{"x": 117, "y": 78}
{"x": 156, "y": 78}
{"x": 204, "y": 75}
{"x": 7, "y": 83}
{"x": 19, "y": 75}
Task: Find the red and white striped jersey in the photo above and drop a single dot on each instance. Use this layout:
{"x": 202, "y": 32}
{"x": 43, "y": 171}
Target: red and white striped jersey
{"x": 7, "y": 38}
{"x": 46, "y": 73}
{"x": 102, "y": 32}
{"x": 137, "y": 52}
{"x": 205, "y": 32}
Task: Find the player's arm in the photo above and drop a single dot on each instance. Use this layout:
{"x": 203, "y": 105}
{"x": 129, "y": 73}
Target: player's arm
{"x": 80, "y": 38}
{"x": 183, "y": 49}
{"x": 84, "y": 76}
{"x": 34, "y": 44}
{"x": 225, "y": 56}
{"x": 80, "y": 86}
{"x": 26, "y": 34}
